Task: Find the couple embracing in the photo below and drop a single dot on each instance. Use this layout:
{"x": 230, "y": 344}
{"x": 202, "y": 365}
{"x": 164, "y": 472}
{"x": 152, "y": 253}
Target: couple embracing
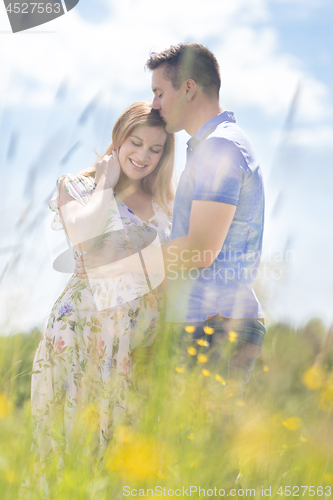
{"x": 210, "y": 237}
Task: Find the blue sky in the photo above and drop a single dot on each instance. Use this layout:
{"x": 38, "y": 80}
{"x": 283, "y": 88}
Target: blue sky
{"x": 95, "y": 55}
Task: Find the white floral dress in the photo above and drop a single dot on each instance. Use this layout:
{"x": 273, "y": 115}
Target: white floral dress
{"x": 84, "y": 356}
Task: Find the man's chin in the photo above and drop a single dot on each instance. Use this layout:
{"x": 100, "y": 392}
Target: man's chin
{"x": 171, "y": 129}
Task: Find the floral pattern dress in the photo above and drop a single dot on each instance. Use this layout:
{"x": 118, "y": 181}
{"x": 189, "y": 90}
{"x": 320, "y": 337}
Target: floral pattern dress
{"x": 83, "y": 359}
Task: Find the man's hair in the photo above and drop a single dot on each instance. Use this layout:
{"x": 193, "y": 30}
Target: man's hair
{"x": 189, "y": 60}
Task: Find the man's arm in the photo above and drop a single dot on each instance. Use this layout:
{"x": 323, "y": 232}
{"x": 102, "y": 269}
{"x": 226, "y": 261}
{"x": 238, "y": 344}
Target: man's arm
{"x": 209, "y": 224}
{"x": 219, "y": 174}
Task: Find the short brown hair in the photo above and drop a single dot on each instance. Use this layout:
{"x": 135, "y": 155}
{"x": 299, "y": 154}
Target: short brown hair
{"x": 189, "y": 60}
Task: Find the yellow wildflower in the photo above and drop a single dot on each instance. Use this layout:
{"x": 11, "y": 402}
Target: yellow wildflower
{"x": 326, "y": 397}
{"x": 192, "y": 351}
{"x": 190, "y": 436}
{"x": 205, "y": 372}
{"x": 208, "y": 330}
{"x": 328, "y": 478}
{"x": 189, "y": 329}
{"x": 202, "y": 358}
{"x": 161, "y": 475}
{"x": 220, "y": 379}
{"x": 303, "y": 439}
{"x": 138, "y": 458}
{"x": 240, "y": 403}
{"x": 203, "y": 342}
{"x": 5, "y": 405}
{"x": 265, "y": 368}
{"x": 292, "y": 423}
{"x": 232, "y": 336}
{"x": 10, "y": 476}
{"x": 314, "y": 377}
{"x": 179, "y": 369}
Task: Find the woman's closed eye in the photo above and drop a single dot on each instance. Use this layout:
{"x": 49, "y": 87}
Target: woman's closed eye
{"x": 151, "y": 149}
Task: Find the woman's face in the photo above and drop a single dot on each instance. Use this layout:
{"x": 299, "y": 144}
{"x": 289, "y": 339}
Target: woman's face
{"x": 141, "y": 151}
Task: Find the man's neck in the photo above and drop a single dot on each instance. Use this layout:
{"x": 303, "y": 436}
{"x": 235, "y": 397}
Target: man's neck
{"x": 201, "y": 113}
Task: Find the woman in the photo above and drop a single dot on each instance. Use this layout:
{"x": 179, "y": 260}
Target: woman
{"x": 84, "y": 357}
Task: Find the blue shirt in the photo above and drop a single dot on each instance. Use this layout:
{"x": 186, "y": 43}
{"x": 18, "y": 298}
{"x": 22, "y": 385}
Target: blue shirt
{"x": 221, "y": 166}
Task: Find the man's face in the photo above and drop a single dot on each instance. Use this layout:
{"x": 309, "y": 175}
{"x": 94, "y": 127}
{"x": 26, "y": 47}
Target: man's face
{"x": 168, "y": 101}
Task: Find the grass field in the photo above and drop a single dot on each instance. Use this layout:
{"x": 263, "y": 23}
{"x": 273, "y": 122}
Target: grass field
{"x": 191, "y": 432}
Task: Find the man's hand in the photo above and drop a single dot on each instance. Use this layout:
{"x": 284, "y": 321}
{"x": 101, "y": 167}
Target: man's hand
{"x": 80, "y": 265}
{"x": 83, "y": 270}
{"x": 101, "y": 262}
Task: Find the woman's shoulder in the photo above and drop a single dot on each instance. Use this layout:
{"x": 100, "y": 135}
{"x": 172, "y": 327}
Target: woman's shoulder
{"x": 75, "y": 180}
{"x": 77, "y": 186}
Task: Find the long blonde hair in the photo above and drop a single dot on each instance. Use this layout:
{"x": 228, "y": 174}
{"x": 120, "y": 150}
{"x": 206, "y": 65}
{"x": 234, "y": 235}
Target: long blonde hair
{"x": 159, "y": 183}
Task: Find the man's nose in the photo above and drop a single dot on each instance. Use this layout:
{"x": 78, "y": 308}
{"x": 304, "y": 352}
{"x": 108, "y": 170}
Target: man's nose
{"x": 156, "y": 103}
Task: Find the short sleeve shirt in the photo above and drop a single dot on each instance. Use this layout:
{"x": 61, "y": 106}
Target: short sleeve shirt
{"x": 221, "y": 166}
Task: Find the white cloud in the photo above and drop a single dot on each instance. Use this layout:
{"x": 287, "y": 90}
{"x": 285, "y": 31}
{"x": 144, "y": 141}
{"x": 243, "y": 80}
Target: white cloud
{"x": 314, "y": 100}
{"x": 320, "y": 137}
{"x": 256, "y": 74}
{"x": 112, "y": 55}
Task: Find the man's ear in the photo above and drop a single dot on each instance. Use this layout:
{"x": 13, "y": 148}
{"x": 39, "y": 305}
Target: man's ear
{"x": 190, "y": 87}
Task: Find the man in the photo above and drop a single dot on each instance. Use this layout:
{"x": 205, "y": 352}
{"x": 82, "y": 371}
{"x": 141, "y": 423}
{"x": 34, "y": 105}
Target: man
{"x": 213, "y": 257}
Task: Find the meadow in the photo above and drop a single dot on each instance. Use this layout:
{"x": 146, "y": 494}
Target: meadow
{"x": 187, "y": 429}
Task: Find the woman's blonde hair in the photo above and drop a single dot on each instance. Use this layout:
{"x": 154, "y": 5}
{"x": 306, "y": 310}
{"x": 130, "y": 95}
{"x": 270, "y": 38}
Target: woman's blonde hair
{"x": 158, "y": 183}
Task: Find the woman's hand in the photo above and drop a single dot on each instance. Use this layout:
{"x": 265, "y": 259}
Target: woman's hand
{"x": 108, "y": 170}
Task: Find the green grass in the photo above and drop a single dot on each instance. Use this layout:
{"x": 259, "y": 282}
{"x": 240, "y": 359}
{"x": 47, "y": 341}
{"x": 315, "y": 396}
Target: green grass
{"x": 186, "y": 428}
